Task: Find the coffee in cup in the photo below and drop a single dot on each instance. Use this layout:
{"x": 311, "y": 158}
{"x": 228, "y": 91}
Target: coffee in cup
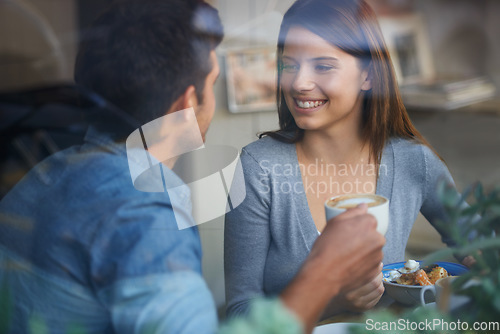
{"x": 378, "y": 206}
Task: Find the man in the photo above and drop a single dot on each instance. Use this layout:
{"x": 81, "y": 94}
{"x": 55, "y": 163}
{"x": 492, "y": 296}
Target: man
{"x": 82, "y": 249}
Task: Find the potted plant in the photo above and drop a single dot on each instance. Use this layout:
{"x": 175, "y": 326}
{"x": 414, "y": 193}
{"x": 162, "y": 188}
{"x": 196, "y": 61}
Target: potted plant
{"x": 475, "y": 228}
{"x": 473, "y": 222}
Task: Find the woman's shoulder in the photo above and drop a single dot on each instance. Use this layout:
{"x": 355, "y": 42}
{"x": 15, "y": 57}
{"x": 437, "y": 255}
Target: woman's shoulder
{"x": 415, "y": 160}
{"x": 411, "y": 150}
{"x": 268, "y": 148}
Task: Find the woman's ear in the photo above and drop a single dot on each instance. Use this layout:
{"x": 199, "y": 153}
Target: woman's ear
{"x": 367, "y": 77}
{"x": 186, "y": 100}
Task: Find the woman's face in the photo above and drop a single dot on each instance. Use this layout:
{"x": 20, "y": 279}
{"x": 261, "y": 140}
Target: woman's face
{"x": 322, "y": 84}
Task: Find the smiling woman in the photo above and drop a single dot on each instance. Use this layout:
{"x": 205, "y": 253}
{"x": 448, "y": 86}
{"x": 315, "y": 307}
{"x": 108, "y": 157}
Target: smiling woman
{"x": 323, "y": 86}
{"x": 338, "y": 105}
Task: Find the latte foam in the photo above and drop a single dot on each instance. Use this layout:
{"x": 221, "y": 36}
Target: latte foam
{"x": 351, "y": 201}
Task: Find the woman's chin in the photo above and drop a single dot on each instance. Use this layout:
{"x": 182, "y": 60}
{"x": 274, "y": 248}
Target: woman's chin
{"x": 307, "y": 124}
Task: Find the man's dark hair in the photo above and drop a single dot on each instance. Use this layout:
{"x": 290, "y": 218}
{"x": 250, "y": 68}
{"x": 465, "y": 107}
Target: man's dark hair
{"x": 141, "y": 55}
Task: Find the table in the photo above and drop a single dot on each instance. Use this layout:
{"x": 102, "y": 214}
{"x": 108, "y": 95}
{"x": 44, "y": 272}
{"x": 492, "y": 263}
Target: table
{"x": 385, "y": 303}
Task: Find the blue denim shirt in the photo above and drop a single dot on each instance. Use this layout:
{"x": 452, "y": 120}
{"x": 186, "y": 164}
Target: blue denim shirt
{"x": 82, "y": 249}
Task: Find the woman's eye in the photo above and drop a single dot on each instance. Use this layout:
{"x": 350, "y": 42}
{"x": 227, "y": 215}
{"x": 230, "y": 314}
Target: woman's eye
{"x": 323, "y": 68}
{"x": 290, "y": 67}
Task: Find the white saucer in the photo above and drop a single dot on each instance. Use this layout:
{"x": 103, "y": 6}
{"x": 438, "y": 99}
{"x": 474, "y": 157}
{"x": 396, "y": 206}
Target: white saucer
{"x": 338, "y": 328}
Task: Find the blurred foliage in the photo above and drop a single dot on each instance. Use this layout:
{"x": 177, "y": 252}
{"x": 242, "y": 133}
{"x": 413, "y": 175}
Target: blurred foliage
{"x": 5, "y": 308}
{"x": 474, "y": 228}
{"x": 421, "y": 320}
{"x": 473, "y": 223}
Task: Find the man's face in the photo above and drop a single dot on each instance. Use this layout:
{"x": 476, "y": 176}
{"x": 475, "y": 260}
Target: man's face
{"x": 205, "y": 111}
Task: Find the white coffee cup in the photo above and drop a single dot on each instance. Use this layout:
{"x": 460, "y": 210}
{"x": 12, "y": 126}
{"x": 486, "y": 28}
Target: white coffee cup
{"x": 445, "y": 299}
{"x": 378, "y": 206}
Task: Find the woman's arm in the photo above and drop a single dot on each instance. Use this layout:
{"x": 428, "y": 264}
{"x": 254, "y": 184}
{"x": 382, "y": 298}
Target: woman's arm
{"x": 246, "y": 239}
{"x": 345, "y": 257}
{"x": 432, "y": 207}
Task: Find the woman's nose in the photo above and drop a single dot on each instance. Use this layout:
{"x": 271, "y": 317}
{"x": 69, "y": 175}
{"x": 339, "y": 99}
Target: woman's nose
{"x": 303, "y": 80}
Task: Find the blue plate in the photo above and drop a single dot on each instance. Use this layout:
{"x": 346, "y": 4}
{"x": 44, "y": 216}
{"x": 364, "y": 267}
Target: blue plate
{"x": 453, "y": 269}
{"x": 410, "y": 294}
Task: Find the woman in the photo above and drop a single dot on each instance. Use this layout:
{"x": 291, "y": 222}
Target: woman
{"x": 343, "y": 129}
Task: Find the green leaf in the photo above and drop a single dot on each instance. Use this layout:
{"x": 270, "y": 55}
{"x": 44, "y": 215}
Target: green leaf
{"x": 488, "y": 286}
{"x": 471, "y": 210}
{"x": 75, "y": 329}
{"x": 480, "y": 245}
{"x": 466, "y": 193}
{"x": 5, "y": 308}
{"x": 478, "y": 192}
{"x": 490, "y": 256}
{"x": 440, "y": 190}
{"x": 496, "y": 301}
{"x": 460, "y": 281}
{"x": 37, "y": 325}
{"x": 495, "y": 209}
{"x": 438, "y": 255}
{"x": 448, "y": 195}
{"x": 494, "y": 195}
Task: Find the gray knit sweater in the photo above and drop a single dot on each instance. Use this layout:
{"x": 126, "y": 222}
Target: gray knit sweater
{"x": 270, "y": 234}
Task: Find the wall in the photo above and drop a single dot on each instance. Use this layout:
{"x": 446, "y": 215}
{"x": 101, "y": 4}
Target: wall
{"x": 464, "y": 36}
{"x": 37, "y": 42}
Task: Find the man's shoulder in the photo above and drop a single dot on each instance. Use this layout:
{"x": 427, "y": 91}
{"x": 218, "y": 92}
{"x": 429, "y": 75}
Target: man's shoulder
{"x": 91, "y": 188}
{"x": 80, "y": 174}
{"x": 96, "y": 169}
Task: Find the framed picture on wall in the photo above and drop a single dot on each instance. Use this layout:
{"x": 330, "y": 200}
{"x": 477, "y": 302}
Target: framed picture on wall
{"x": 251, "y": 79}
{"x": 408, "y": 44}
{"x": 409, "y": 47}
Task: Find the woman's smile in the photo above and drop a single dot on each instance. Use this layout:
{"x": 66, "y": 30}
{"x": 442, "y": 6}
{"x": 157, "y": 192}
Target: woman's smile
{"x": 308, "y": 105}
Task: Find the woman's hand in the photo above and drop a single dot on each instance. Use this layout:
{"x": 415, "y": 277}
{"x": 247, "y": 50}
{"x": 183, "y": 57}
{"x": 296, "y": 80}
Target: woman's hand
{"x": 364, "y": 297}
{"x": 469, "y": 261}
{"x": 359, "y": 299}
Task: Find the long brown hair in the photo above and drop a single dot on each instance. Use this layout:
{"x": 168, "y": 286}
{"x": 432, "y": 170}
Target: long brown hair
{"x": 352, "y": 26}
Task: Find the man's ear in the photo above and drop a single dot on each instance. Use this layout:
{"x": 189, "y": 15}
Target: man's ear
{"x": 367, "y": 77}
{"x": 186, "y": 100}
